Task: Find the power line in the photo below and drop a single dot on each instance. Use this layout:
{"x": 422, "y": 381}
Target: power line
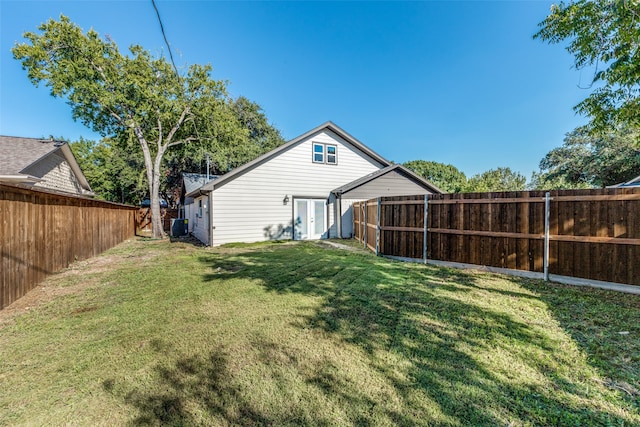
{"x": 164, "y": 35}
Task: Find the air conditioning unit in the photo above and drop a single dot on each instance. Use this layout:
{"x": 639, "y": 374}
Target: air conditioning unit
{"x": 179, "y": 227}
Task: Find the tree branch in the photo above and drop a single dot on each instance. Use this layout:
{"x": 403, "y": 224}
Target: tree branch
{"x": 173, "y": 130}
{"x": 159, "y": 132}
{"x": 182, "y": 141}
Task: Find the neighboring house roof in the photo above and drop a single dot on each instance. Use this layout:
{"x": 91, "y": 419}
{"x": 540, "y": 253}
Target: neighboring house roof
{"x": 19, "y": 157}
{"x": 635, "y": 182}
{"x": 345, "y": 189}
{"x": 193, "y": 181}
{"x": 265, "y": 157}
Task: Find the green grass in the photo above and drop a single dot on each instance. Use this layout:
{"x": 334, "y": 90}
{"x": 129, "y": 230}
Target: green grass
{"x": 161, "y": 333}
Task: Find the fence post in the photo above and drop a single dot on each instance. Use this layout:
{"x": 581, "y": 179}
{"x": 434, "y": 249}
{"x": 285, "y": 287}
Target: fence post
{"x": 378, "y": 229}
{"x": 365, "y": 225}
{"x": 547, "y": 209}
{"x": 424, "y": 240}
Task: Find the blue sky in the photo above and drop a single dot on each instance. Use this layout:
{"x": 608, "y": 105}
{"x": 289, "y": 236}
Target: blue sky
{"x": 455, "y": 82}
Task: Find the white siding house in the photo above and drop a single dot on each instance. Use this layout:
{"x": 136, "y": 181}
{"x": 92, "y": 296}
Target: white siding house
{"x": 288, "y": 192}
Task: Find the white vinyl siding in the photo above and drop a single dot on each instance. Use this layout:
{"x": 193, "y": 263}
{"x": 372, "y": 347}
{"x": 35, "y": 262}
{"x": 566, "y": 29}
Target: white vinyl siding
{"x": 347, "y": 217}
{"x": 250, "y": 207}
{"x": 199, "y": 224}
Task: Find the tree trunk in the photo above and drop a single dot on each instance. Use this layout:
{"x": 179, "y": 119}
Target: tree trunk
{"x": 153, "y": 177}
{"x": 154, "y": 186}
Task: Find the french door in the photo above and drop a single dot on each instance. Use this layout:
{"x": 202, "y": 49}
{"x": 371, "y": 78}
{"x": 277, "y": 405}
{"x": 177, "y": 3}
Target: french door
{"x": 309, "y": 219}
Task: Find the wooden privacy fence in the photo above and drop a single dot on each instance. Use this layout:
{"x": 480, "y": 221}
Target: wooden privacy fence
{"x": 143, "y": 219}
{"x": 588, "y": 234}
{"x": 42, "y": 233}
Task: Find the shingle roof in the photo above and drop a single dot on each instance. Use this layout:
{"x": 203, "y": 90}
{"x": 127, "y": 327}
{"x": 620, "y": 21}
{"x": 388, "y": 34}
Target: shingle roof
{"x": 396, "y": 167}
{"x": 193, "y": 181}
{"x": 18, "y": 153}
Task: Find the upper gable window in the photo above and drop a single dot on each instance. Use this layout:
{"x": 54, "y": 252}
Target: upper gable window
{"x": 325, "y": 153}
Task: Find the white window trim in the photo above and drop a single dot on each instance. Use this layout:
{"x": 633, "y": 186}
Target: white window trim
{"x": 324, "y": 153}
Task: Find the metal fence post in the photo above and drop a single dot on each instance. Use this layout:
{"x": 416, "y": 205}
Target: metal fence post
{"x": 378, "y": 229}
{"x": 547, "y": 209}
{"x": 424, "y": 240}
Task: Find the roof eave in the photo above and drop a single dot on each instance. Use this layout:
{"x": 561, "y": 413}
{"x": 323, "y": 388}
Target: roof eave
{"x": 20, "y": 178}
{"x": 212, "y": 185}
{"x": 71, "y": 159}
{"x": 338, "y": 192}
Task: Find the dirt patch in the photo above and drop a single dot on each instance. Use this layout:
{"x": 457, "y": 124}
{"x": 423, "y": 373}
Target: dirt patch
{"x": 84, "y": 309}
{"x": 337, "y": 245}
{"x": 77, "y": 278}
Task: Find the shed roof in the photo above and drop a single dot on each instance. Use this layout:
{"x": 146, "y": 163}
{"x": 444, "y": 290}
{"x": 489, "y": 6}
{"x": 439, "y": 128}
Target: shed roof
{"x": 210, "y": 186}
{"x": 345, "y": 189}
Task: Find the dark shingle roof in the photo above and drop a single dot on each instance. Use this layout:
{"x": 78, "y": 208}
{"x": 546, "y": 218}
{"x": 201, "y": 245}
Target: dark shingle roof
{"x": 18, "y": 153}
{"x": 193, "y": 181}
{"x": 396, "y": 167}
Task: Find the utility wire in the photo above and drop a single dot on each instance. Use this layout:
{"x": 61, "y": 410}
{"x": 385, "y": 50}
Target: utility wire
{"x": 164, "y": 35}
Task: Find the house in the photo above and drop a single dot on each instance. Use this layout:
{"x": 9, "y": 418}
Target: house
{"x": 41, "y": 163}
{"x": 303, "y": 189}
{"x": 635, "y": 182}
{"x": 186, "y": 206}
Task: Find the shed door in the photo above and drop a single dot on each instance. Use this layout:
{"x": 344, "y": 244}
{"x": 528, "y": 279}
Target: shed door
{"x": 310, "y": 219}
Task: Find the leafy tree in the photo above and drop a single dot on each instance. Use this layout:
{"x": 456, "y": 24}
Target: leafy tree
{"x": 246, "y": 135}
{"x": 545, "y": 181}
{"x": 500, "y": 179}
{"x": 592, "y": 160}
{"x": 263, "y": 137}
{"x": 605, "y": 35}
{"x": 136, "y": 98}
{"x": 114, "y": 174}
{"x": 444, "y": 176}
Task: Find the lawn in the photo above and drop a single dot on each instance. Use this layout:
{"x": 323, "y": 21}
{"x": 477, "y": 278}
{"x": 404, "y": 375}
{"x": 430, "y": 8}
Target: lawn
{"x": 161, "y": 333}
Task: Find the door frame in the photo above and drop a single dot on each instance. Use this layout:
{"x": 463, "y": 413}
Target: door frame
{"x": 325, "y": 233}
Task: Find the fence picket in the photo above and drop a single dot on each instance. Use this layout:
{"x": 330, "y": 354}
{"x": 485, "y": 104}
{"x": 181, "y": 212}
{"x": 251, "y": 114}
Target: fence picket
{"x": 44, "y": 232}
{"x": 589, "y": 234}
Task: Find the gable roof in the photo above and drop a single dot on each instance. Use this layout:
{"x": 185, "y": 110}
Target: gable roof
{"x": 193, "y": 181}
{"x": 210, "y": 186}
{"x": 372, "y": 176}
{"x": 18, "y": 154}
{"x": 635, "y": 182}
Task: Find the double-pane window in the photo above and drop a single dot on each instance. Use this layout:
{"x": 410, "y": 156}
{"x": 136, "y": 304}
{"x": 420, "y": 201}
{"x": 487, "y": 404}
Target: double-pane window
{"x": 325, "y": 153}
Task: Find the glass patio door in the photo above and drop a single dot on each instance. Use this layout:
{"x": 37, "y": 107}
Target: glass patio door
{"x": 309, "y": 219}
